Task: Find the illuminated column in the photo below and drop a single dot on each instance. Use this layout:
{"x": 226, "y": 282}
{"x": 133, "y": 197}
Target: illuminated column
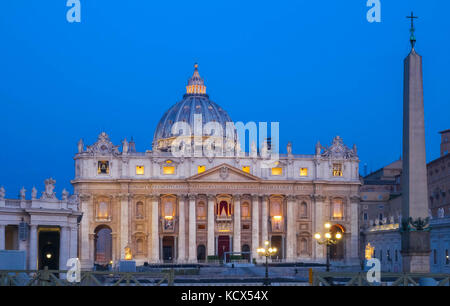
{"x": 192, "y": 230}
{"x": 290, "y": 234}
{"x": 33, "y": 247}
{"x": 354, "y": 236}
{"x": 264, "y": 218}
{"x": 124, "y": 205}
{"x": 2, "y": 237}
{"x": 318, "y": 224}
{"x": 182, "y": 229}
{"x": 237, "y": 224}
{"x": 255, "y": 225}
{"x": 86, "y": 207}
{"x": 155, "y": 229}
{"x": 211, "y": 246}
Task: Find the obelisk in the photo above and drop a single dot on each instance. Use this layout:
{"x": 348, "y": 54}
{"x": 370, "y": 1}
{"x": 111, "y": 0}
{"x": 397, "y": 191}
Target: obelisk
{"x": 414, "y": 231}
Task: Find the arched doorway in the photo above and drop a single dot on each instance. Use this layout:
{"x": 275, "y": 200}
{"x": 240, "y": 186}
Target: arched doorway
{"x": 245, "y": 250}
{"x": 277, "y": 242}
{"x": 48, "y": 248}
{"x": 103, "y": 245}
{"x": 201, "y": 252}
{"x": 223, "y": 245}
{"x": 168, "y": 243}
{"x": 337, "y": 250}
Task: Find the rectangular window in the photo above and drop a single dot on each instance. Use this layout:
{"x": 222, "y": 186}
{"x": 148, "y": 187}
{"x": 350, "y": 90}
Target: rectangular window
{"x": 201, "y": 169}
{"x": 246, "y": 169}
{"x": 103, "y": 167}
{"x": 303, "y": 171}
{"x": 447, "y": 259}
{"x": 337, "y": 169}
{"x": 139, "y": 170}
{"x": 168, "y": 170}
{"x": 277, "y": 171}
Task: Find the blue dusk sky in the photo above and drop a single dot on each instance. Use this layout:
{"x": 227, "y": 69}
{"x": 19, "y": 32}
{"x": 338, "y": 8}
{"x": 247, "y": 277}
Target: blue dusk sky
{"x": 317, "y": 67}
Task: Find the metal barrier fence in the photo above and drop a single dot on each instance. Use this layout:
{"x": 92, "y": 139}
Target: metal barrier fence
{"x": 88, "y": 278}
{"x": 386, "y": 279}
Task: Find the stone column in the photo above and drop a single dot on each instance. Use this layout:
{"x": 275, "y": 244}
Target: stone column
{"x": 2, "y": 236}
{"x": 86, "y": 208}
{"x": 92, "y": 248}
{"x": 73, "y": 242}
{"x": 33, "y": 247}
{"x": 255, "y": 225}
{"x": 192, "y": 230}
{"x": 290, "y": 229}
{"x": 155, "y": 229}
{"x": 237, "y": 224}
{"x": 318, "y": 225}
{"x": 124, "y": 208}
{"x": 211, "y": 225}
{"x": 264, "y": 219}
{"x": 354, "y": 229}
{"x": 182, "y": 228}
{"x": 64, "y": 247}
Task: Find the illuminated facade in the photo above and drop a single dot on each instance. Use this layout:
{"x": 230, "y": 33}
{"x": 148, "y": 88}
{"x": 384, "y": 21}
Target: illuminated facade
{"x": 191, "y": 209}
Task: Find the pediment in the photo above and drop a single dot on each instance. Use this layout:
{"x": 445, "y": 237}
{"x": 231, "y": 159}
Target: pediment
{"x": 226, "y": 173}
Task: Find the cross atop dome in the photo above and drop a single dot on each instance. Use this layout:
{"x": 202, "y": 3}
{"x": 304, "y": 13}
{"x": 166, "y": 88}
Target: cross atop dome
{"x": 196, "y": 84}
{"x": 412, "y": 38}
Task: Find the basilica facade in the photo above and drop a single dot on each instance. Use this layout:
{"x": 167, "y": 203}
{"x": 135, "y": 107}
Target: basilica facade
{"x": 157, "y": 206}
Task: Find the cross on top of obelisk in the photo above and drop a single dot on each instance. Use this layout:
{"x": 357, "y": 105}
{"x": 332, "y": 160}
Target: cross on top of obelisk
{"x": 412, "y": 30}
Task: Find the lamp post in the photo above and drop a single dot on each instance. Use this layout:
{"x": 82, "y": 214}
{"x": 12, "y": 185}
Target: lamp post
{"x": 266, "y": 251}
{"x": 328, "y": 240}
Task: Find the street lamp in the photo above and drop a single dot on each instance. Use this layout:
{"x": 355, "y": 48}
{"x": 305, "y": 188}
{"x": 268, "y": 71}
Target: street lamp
{"x": 266, "y": 251}
{"x": 328, "y": 240}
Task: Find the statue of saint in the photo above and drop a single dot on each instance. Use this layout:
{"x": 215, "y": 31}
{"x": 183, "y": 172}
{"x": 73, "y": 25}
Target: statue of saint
{"x": 2, "y": 193}
{"x": 34, "y": 193}
{"x": 289, "y": 148}
{"x": 80, "y": 146}
{"x": 65, "y": 194}
{"x": 318, "y": 148}
{"x": 22, "y": 193}
{"x": 125, "y": 146}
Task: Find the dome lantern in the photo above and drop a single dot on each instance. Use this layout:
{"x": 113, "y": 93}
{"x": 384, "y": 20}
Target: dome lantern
{"x": 196, "y": 85}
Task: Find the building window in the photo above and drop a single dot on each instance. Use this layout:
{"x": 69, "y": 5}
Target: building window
{"x": 303, "y": 171}
{"x": 303, "y": 210}
{"x": 447, "y": 259}
{"x": 168, "y": 169}
{"x": 245, "y": 211}
{"x": 381, "y": 255}
{"x": 201, "y": 211}
{"x": 139, "y": 210}
{"x": 337, "y": 169}
{"x": 396, "y": 255}
{"x": 246, "y": 169}
{"x": 277, "y": 171}
{"x": 139, "y": 170}
{"x": 102, "y": 211}
{"x": 337, "y": 209}
{"x": 365, "y": 216}
{"x": 103, "y": 167}
{"x": 434, "y": 256}
{"x": 201, "y": 169}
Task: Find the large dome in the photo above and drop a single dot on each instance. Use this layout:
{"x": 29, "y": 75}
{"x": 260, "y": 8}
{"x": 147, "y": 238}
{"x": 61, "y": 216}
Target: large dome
{"x": 195, "y": 101}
